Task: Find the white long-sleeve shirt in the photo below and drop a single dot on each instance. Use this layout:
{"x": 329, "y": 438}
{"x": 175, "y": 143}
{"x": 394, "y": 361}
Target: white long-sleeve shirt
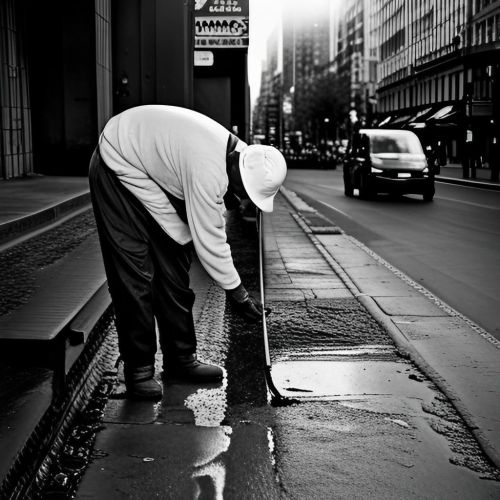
{"x": 184, "y": 152}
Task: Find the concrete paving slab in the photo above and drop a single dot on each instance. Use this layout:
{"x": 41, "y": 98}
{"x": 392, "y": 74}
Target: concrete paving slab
{"x": 26, "y": 394}
{"x": 305, "y": 267}
{"x": 272, "y": 264}
{"x": 306, "y": 284}
{"x": 272, "y": 254}
{"x": 290, "y": 294}
{"x": 369, "y": 270}
{"x": 72, "y": 282}
{"x": 467, "y": 365}
{"x": 26, "y": 196}
{"x": 299, "y": 259}
{"x": 338, "y": 243}
{"x": 136, "y": 462}
{"x": 349, "y": 259}
{"x": 332, "y": 293}
{"x": 445, "y": 346}
{"x": 180, "y": 461}
{"x": 392, "y": 286}
{"x": 275, "y": 280}
{"x": 183, "y": 403}
{"x": 275, "y": 272}
{"x": 339, "y": 379}
{"x": 316, "y": 282}
{"x": 356, "y": 449}
{"x": 409, "y": 306}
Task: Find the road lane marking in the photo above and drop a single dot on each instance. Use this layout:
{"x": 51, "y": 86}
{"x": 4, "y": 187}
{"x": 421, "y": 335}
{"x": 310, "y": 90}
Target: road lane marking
{"x": 471, "y": 203}
{"x": 336, "y": 209}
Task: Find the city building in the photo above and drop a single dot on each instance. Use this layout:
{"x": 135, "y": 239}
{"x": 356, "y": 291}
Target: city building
{"x": 268, "y": 111}
{"x": 306, "y": 50}
{"x": 327, "y": 66}
{"x": 297, "y": 55}
{"x": 438, "y": 73}
{"x": 67, "y": 67}
{"x": 220, "y": 77}
{"x": 55, "y": 84}
{"x": 356, "y": 53}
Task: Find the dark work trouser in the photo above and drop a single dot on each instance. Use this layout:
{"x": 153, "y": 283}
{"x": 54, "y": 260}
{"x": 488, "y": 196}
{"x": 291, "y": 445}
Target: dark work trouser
{"x": 147, "y": 272}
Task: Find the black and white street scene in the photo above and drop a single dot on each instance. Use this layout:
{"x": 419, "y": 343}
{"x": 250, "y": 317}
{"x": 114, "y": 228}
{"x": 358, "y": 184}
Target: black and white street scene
{"x": 250, "y": 249}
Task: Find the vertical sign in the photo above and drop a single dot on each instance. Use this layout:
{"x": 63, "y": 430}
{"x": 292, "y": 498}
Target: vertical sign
{"x": 221, "y": 24}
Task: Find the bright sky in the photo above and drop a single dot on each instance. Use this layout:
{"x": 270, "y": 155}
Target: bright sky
{"x": 264, "y": 15}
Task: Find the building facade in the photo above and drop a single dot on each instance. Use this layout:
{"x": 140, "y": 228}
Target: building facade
{"x": 328, "y": 65}
{"x": 306, "y": 53}
{"x": 55, "y": 84}
{"x": 357, "y": 53}
{"x": 66, "y": 67}
{"x": 438, "y": 72}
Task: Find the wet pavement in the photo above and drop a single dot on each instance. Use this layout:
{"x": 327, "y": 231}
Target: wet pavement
{"x": 369, "y": 421}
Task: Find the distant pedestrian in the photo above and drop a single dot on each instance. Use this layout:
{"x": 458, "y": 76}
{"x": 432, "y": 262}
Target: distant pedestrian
{"x": 161, "y": 179}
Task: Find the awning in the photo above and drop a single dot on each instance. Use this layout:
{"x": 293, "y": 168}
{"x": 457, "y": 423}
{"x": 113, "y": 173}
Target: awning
{"x": 438, "y": 116}
{"x": 401, "y": 120}
{"x": 421, "y": 115}
{"x": 385, "y": 121}
{"x": 394, "y": 121}
{"x": 444, "y": 114}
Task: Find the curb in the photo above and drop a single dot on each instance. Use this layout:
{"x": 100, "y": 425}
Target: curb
{"x": 38, "y": 220}
{"x": 402, "y": 343}
{"x": 468, "y": 182}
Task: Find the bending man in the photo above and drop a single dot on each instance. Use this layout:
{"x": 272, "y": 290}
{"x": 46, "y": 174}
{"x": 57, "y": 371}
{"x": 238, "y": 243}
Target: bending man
{"x": 161, "y": 179}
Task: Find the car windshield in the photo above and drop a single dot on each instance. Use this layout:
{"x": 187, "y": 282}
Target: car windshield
{"x": 395, "y": 144}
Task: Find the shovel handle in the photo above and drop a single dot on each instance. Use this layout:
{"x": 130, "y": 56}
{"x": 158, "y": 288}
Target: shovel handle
{"x": 261, "y": 285}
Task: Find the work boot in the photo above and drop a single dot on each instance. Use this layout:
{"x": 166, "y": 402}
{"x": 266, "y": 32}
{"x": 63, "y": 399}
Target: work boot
{"x": 190, "y": 369}
{"x": 141, "y": 384}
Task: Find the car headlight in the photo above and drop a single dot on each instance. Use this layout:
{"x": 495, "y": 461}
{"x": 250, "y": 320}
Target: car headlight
{"x": 425, "y": 170}
{"x": 376, "y": 170}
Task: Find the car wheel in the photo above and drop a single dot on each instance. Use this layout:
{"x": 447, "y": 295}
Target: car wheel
{"x": 365, "y": 191}
{"x": 428, "y": 196}
{"x": 348, "y": 189}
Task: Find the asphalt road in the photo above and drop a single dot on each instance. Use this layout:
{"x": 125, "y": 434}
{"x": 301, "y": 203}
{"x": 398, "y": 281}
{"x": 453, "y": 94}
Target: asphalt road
{"x": 450, "y": 246}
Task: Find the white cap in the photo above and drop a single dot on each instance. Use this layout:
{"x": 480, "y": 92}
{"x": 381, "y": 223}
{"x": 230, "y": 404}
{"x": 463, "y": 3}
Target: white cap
{"x": 263, "y": 170}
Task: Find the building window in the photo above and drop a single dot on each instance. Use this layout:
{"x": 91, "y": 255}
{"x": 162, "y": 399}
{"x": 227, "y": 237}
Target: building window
{"x": 489, "y": 30}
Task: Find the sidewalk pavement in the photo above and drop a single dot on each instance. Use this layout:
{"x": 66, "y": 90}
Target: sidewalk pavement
{"x": 307, "y": 259}
{"x": 453, "y": 174}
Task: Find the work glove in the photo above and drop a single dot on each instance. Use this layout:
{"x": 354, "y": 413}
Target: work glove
{"x": 246, "y": 306}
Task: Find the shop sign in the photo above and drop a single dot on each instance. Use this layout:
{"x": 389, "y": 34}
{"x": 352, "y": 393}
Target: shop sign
{"x": 221, "y": 23}
{"x": 203, "y": 58}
